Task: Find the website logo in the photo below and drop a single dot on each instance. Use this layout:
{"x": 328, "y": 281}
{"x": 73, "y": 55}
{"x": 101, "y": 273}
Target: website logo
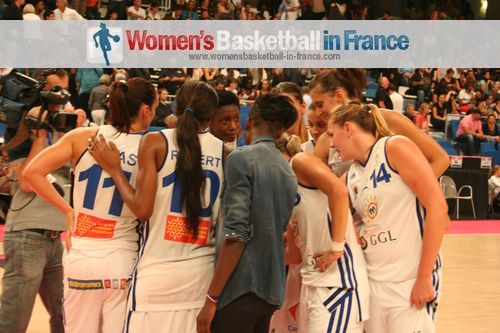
{"x": 104, "y": 45}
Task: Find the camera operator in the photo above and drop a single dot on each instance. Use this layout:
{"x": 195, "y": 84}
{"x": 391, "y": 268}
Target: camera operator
{"x": 32, "y": 241}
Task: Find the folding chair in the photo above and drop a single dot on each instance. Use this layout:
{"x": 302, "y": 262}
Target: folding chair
{"x": 450, "y": 192}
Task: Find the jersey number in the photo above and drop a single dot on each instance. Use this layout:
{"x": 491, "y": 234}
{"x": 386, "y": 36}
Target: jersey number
{"x": 176, "y": 204}
{"x": 93, "y": 176}
{"x": 382, "y": 175}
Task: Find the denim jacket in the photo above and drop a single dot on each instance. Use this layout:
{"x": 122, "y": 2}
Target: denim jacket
{"x": 259, "y": 193}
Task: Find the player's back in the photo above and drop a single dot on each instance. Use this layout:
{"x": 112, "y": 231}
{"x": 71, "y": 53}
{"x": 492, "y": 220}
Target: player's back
{"x": 101, "y": 216}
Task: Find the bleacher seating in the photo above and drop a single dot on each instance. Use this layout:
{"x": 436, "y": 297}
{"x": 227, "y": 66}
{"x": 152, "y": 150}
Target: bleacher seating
{"x": 448, "y": 147}
{"x": 454, "y": 128}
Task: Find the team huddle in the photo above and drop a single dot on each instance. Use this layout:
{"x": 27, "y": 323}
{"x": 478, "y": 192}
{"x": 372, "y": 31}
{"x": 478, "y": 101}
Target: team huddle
{"x": 178, "y": 231}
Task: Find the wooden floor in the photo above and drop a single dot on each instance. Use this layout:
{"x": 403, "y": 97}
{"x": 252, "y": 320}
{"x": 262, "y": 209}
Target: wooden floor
{"x": 470, "y": 293}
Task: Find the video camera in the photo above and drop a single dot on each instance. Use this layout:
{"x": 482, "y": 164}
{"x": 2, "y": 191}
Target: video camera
{"x": 54, "y": 120}
{"x": 18, "y": 93}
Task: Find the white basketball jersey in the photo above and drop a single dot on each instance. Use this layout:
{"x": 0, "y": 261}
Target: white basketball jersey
{"x": 390, "y": 219}
{"x": 335, "y": 163}
{"x": 308, "y": 147}
{"x": 103, "y": 221}
{"x": 170, "y": 250}
{"x": 311, "y": 220}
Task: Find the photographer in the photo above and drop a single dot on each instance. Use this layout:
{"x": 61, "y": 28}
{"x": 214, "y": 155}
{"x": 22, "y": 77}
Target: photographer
{"x": 32, "y": 242}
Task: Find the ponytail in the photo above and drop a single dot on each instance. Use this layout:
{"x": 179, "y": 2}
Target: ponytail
{"x": 125, "y": 100}
{"x": 289, "y": 144}
{"x": 195, "y": 103}
{"x": 366, "y": 116}
{"x": 353, "y": 80}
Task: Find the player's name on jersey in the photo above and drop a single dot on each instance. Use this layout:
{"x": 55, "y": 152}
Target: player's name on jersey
{"x": 129, "y": 159}
{"x": 205, "y": 159}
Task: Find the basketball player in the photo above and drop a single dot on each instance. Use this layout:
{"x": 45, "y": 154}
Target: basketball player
{"x": 286, "y": 317}
{"x": 292, "y": 90}
{"x": 321, "y": 238}
{"x": 225, "y": 123}
{"x": 317, "y": 125}
{"x": 102, "y": 241}
{"x": 402, "y": 216}
{"x": 338, "y": 86}
{"x": 180, "y": 176}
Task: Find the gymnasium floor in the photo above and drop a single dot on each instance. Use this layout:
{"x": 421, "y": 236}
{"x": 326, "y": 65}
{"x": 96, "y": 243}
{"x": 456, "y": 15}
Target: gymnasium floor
{"x": 471, "y": 281}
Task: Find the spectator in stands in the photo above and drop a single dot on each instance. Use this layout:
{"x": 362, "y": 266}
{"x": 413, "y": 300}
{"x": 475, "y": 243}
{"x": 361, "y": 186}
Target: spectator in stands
{"x": 486, "y": 83}
{"x": 136, "y": 12}
{"x": 265, "y": 88}
{"x": 204, "y": 15}
{"x": 247, "y": 91}
{"x": 462, "y": 80}
{"x": 490, "y": 102}
{"x": 40, "y": 8}
{"x": 209, "y": 74}
{"x": 382, "y": 99}
{"x": 337, "y": 10}
{"x": 223, "y": 11}
{"x": 203, "y": 5}
{"x": 118, "y": 7}
{"x": 233, "y": 86}
{"x": 120, "y": 75}
{"x": 470, "y": 132}
{"x": 79, "y": 5}
{"x": 29, "y": 13}
{"x": 97, "y": 100}
{"x": 451, "y": 102}
{"x": 48, "y": 15}
{"x": 448, "y": 82}
{"x": 247, "y": 9}
{"x": 289, "y": 10}
{"x": 490, "y": 129}
{"x": 318, "y": 9}
{"x": 466, "y": 97}
{"x": 219, "y": 84}
{"x": 92, "y": 11}
{"x": 154, "y": 12}
{"x": 63, "y": 12}
{"x": 113, "y": 15}
{"x": 483, "y": 108}
{"x": 86, "y": 79}
{"x": 418, "y": 85}
{"x": 171, "y": 79}
{"x": 14, "y": 11}
{"x": 163, "y": 110}
{"x": 410, "y": 111}
{"x": 496, "y": 89}
{"x": 439, "y": 112}
{"x": 396, "y": 98}
{"x": 496, "y": 108}
{"x": 139, "y": 72}
{"x": 422, "y": 118}
{"x": 190, "y": 13}
{"x": 494, "y": 183}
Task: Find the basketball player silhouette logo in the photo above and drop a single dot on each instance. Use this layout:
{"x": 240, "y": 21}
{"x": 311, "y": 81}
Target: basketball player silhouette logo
{"x": 102, "y": 40}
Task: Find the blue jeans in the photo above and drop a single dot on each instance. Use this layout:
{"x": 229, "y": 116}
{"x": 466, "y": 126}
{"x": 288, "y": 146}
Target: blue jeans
{"x": 33, "y": 265}
{"x": 470, "y": 144}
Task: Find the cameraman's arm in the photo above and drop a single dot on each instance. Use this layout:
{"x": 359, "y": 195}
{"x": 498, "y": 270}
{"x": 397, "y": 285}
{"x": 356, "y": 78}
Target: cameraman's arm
{"x": 39, "y": 143}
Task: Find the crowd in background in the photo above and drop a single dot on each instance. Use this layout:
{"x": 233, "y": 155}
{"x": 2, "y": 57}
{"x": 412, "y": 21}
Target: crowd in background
{"x": 228, "y": 10}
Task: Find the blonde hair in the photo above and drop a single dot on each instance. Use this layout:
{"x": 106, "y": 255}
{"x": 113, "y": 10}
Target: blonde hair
{"x": 289, "y": 144}
{"x": 366, "y": 116}
{"x": 171, "y": 121}
{"x": 422, "y": 106}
